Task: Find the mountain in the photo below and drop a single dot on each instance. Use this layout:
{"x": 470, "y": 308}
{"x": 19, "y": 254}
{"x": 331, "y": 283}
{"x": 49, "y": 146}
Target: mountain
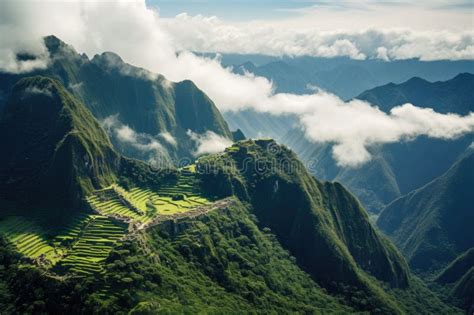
{"x": 143, "y": 240}
{"x": 452, "y": 96}
{"x": 457, "y": 268}
{"x": 320, "y": 223}
{"x": 54, "y": 145}
{"x": 158, "y": 111}
{"x": 459, "y": 277}
{"x": 390, "y": 173}
{"x": 344, "y": 77}
{"x": 432, "y": 224}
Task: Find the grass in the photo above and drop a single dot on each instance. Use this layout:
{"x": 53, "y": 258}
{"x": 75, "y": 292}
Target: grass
{"x": 29, "y": 238}
{"x": 86, "y": 240}
{"x": 142, "y": 204}
{"x": 81, "y": 245}
{"x": 98, "y": 238}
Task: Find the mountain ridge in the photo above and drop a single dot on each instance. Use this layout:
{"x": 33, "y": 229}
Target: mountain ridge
{"x": 431, "y": 223}
{"x": 147, "y": 103}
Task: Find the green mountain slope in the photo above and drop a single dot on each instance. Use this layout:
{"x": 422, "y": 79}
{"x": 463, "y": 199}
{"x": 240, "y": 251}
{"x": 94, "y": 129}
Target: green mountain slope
{"x": 432, "y": 224}
{"x": 322, "y": 225}
{"x": 150, "y": 105}
{"x": 458, "y": 276}
{"x": 220, "y": 263}
{"x": 457, "y": 268}
{"x": 463, "y": 291}
{"x": 57, "y": 152}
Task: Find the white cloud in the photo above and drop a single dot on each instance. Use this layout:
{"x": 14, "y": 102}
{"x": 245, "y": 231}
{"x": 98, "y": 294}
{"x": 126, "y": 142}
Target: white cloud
{"x": 209, "y": 142}
{"x": 309, "y": 36}
{"x": 126, "y": 135}
{"x": 356, "y": 125}
{"x": 38, "y": 91}
{"x": 152, "y": 43}
{"x": 169, "y": 138}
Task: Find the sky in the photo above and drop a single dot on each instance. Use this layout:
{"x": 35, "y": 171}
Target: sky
{"x": 396, "y": 13}
{"x": 164, "y": 39}
{"x": 245, "y": 10}
{"x": 241, "y": 10}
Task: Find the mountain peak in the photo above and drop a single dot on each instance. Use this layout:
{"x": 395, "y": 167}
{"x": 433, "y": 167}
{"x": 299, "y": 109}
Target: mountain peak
{"x": 416, "y": 80}
{"x": 56, "y": 45}
{"x": 464, "y": 76}
{"x": 109, "y": 58}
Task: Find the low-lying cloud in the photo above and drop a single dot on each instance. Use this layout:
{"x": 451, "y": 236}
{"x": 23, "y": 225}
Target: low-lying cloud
{"x": 34, "y": 90}
{"x": 144, "y": 143}
{"x": 354, "y": 126}
{"x": 159, "y": 45}
{"x": 168, "y": 138}
{"x": 209, "y": 142}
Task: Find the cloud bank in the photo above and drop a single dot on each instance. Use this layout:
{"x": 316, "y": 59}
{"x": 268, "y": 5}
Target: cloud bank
{"x": 210, "y": 34}
{"x": 96, "y": 26}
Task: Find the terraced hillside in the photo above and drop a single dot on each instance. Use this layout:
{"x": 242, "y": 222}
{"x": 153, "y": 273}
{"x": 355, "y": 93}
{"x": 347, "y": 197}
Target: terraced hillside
{"x": 141, "y": 205}
{"x": 84, "y": 242}
{"x": 29, "y": 238}
{"x": 94, "y": 245}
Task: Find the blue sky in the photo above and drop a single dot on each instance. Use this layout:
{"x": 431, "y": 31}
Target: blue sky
{"x": 242, "y": 10}
{"x": 232, "y": 10}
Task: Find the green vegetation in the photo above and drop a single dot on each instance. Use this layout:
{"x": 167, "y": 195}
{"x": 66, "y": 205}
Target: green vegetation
{"x": 92, "y": 248}
{"x": 433, "y": 224}
{"x": 458, "y": 280}
{"x": 30, "y": 239}
{"x": 64, "y": 148}
{"x": 322, "y": 225}
{"x": 142, "y": 205}
{"x": 85, "y": 241}
{"x": 220, "y": 263}
{"x": 81, "y": 245}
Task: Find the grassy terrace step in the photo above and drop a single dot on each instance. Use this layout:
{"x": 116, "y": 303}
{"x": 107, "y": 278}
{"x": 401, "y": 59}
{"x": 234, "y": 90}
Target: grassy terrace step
{"x": 28, "y": 238}
{"x": 142, "y": 204}
{"x": 94, "y": 246}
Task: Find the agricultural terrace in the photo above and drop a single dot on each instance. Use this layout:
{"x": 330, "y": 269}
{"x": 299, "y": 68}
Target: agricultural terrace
{"x": 142, "y": 205}
{"x": 84, "y": 242}
{"x": 81, "y": 245}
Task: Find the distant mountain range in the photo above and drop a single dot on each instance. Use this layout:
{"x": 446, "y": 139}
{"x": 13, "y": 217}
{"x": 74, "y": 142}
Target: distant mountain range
{"x": 450, "y": 96}
{"x": 390, "y": 173}
{"x": 344, "y": 77}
